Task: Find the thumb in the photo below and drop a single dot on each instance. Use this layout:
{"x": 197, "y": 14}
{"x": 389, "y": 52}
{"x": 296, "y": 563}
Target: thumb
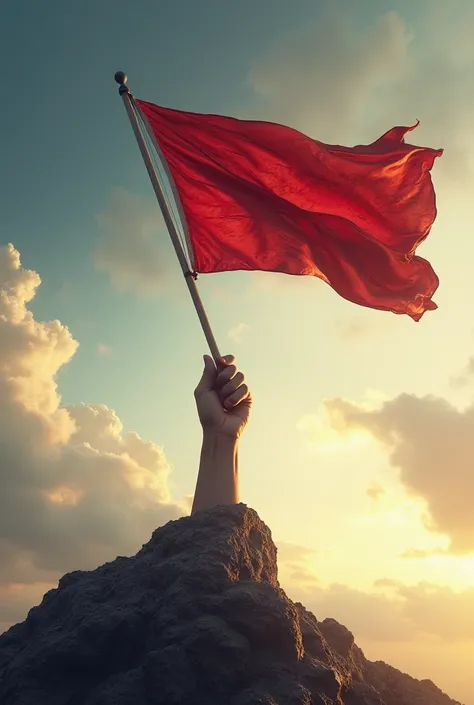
{"x": 208, "y": 376}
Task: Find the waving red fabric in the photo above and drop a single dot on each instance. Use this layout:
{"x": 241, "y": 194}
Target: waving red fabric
{"x": 261, "y": 196}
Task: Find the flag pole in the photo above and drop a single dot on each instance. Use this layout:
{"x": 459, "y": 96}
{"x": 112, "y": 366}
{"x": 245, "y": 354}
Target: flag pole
{"x": 188, "y": 274}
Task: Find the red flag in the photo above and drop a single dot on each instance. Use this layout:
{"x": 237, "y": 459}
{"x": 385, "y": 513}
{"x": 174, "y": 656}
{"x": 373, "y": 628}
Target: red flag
{"x": 260, "y": 196}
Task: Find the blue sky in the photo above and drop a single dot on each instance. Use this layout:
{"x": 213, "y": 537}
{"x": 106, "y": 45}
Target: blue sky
{"x": 69, "y": 144}
{"x": 342, "y": 72}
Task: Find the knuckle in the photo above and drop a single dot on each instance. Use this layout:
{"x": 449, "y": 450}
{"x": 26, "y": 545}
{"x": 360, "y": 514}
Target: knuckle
{"x": 239, "y": 393}
{"x": 226, "y": 372}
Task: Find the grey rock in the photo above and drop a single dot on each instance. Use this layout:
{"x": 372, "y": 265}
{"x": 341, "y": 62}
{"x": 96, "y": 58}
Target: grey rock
{"x": 197, "y": 617}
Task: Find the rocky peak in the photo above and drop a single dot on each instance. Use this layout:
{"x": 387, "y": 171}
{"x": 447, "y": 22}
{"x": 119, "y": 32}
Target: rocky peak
{"x": 197, "y": 617}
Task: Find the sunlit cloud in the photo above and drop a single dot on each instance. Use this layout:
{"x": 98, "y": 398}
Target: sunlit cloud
{"x": 64, "y": 495}
{"x": 296, "y": 565}
{"x": 429, "y": 442}
{"x": 390, "y": 610}
{"x": 327, "y": 431}
{"x": 238, "y": 333}
{"x": 77, "y": 490}
{"x": 322, "y": 437}
{"x": 423, "y": 628}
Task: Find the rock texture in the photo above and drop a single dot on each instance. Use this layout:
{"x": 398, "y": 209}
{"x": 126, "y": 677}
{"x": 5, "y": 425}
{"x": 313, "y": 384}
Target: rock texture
{"x": 197, "y": 617}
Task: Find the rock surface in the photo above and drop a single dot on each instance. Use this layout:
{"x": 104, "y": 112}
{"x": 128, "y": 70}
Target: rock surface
{"x": 197, "y": 617}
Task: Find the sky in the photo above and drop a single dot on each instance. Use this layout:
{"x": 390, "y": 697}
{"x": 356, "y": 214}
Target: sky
{"x": 360, "y": 449}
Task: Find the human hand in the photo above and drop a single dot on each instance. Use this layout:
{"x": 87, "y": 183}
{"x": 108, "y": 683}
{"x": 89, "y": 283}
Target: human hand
{"x": 222, "y": 397}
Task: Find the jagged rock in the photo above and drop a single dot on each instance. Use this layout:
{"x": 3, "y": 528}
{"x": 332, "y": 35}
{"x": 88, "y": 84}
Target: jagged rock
{"x": 400, "y": 689}
{"x": 197, "y": 617}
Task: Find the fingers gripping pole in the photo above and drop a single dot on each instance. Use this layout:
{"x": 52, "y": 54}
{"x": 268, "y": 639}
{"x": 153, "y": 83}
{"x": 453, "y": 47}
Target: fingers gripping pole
{"x": 128, "y": 102}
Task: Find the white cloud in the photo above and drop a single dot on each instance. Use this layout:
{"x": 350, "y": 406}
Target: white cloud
{"x": 238, "y": 332}
{"x": 132, "y": 248}
{"x": 76, "y": 490}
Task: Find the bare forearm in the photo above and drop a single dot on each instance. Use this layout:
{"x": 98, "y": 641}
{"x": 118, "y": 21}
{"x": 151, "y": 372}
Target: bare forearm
{"x": 217, "y": 481}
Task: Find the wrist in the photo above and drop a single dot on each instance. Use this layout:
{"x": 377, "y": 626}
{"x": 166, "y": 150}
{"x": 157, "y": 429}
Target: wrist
{"x": 218, "y": 471}
{"x": 219, "y": 439}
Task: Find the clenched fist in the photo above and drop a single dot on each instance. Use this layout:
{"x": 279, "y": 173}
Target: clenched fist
{"x": 222, "y": 397}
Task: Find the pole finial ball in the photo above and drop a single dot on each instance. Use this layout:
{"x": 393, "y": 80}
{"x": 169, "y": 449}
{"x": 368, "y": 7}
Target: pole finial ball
{"x": 121, "y": 78}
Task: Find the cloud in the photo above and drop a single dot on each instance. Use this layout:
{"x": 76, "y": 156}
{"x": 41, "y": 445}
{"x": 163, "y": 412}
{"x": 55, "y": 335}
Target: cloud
{"x": 421, "y": 553}
{"x": 341, "y": 81}
{"x": 363, "y": 325}
{"x": 390, "y": 611}
{"x": 352, "y": 330}
{"x": 321, "y": 79}
{"x": 375, "y": 491}
{"x": 238, "y": 332}
{"x": 327, "y": 432}
{"x": 104, "y": 350}
{"x": 132, "y": 246}
{"x": 294, "y": 565}
{"x": 76, "y": 490}
{"x": 369, "y": 615}
{"x": 294, "y": 553}
{"x": 422, "y": 628}
{"x": 431, "y": 444}
{"x": 408, "y": 613}
{"x": 465, "y": 377}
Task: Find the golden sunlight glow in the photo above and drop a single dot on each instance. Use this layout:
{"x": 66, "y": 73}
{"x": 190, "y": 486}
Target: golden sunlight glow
{"x": 65, "y": 495}
{"x": 325, "y": 432}
{"x": 402, "y": 514}
{"x": 467, "y": 569}
{"x": 321, "y": 436}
